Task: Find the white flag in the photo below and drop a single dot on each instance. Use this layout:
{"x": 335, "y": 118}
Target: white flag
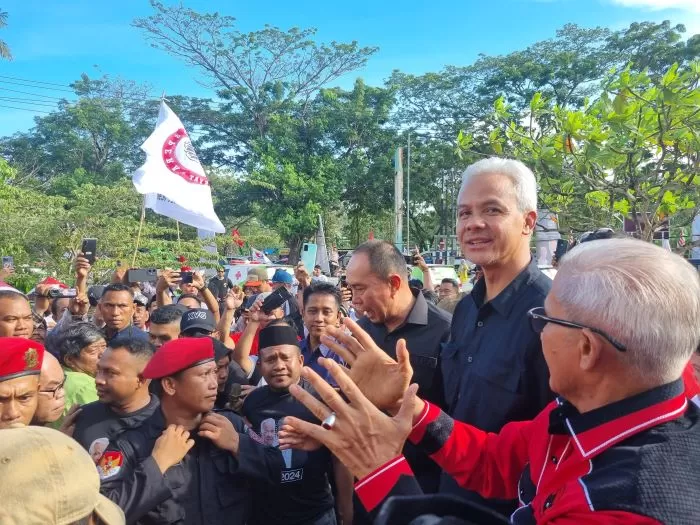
{"x": 259, "y": 256}
{"x": 172, "y": 177}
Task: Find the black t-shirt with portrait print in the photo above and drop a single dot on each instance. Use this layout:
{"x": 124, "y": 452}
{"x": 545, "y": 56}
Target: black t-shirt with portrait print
{"x": 302, "y": 493}
{"x": 98, "y": 424}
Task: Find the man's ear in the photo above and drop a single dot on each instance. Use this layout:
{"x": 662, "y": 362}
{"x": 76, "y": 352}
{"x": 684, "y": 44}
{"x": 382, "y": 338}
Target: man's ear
{"x": 590, "y": 350}
{"x": 394, "y": 283}
{"x": 168, "y": 385}
{"x": 530, "y": 222}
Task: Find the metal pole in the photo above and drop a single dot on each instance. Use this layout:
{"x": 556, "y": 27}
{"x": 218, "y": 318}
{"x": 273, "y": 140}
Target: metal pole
{"x": 408, "y": 196}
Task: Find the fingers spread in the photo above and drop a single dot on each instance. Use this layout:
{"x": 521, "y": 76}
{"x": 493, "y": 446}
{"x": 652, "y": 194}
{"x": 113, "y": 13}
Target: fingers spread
{"x": 317, "y": 408}
{"x": 346, "y": 384}
{"x": 326, "y": 391}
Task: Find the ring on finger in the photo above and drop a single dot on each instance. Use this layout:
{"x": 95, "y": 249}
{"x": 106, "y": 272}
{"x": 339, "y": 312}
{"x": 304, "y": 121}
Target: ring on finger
{"x": 329, "y": 422}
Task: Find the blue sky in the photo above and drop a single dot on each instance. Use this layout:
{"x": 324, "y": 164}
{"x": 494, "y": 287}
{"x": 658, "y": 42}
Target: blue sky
{"x": 56, "y": 41}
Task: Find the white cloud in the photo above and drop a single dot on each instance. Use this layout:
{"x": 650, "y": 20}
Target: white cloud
{"x": 657, "y": 5}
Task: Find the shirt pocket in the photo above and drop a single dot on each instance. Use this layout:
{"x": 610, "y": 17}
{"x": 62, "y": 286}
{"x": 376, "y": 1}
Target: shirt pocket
{"x": 424, "y": 368}
{"x": 496, "y": 385}
{"x": 450, "y": 367}
{"x": 230, "y": 491}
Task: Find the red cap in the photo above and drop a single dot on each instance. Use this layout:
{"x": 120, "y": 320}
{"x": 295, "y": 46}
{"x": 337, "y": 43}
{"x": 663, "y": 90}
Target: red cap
{"x": 19, "y": 357}
{"x": 179, "y": 354}
{"x": 186, "y": 269}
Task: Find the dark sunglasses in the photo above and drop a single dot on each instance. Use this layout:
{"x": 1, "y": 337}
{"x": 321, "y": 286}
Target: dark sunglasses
{"x": 538, "y": 320}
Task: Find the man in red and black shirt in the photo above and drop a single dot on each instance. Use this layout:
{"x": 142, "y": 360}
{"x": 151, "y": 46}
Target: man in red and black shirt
{"x": 621, "y": 443}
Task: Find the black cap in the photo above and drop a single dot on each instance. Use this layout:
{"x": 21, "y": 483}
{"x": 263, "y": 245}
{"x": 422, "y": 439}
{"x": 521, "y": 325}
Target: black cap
{"x": 95, "y": 293}
{"x": 197, "y": 318}
{"x": 220, "y": 349}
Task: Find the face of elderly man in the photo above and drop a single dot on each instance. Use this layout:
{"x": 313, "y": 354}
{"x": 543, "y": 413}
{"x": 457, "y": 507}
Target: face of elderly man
{"x": 626, "y": 342}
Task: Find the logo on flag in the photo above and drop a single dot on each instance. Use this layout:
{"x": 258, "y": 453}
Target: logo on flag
{"x": 173, "y": 179}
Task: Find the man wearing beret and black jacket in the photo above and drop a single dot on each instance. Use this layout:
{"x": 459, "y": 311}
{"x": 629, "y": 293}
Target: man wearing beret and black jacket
{"x": 186, "y": 464}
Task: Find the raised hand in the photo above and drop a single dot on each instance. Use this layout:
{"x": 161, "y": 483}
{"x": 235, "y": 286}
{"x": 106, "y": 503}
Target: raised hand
{"x": 381, "y": 379}
{"x": 258, "y": 316}
{"x": 198, "y": 281}
{"x": 171, "y": 447}
{"x": 168, "y": 279}
{"x": 82, "y": 266}
{"x": 363, "y": 438}
{"x": 233, "y": 301}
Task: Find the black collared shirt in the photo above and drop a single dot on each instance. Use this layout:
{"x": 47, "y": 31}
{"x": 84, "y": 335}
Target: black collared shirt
{"x": 493, "y": 368}
{"x": 425, "y": 329}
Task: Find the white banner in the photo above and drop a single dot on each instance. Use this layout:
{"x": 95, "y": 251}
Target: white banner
{"x": 173, "y": 178}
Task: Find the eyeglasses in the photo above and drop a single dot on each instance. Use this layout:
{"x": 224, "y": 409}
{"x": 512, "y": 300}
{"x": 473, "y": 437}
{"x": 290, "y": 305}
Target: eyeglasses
{"x": 54, "y": 391}
{"x": 538, "y": 320}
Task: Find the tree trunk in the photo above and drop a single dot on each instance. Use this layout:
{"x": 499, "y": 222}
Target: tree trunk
{"x": 294, "y": 244}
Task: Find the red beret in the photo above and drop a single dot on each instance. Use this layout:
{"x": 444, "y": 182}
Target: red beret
{"x": 179, "y": 354}
{"x": 19, "y": 357}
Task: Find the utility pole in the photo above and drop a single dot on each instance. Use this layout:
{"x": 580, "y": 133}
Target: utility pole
{"x": 408, "y": 196}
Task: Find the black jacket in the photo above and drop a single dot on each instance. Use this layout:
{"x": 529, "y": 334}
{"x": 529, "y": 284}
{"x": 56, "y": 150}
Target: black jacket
{"x": 209, "y": 486}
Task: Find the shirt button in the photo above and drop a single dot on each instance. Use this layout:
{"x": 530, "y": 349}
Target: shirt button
{"x": 480, "y": 324}
{"x": 554, "y": 460}
{"x": 549, "y": 501}
{"x": 469, "y": 359}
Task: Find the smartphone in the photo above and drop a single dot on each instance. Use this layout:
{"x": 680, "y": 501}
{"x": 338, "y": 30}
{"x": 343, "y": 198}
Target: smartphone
{"x": 186, "y": 277}
{"x": 409, "y": 259}
{"x": 88, "y": 248}
{"x": 562, "y": 247}
{"x": 142, "y": 275}
{"x": 275, "y": 300}
{"x": 308, "y": 256}
{"x": 8, "y": 261}
{"x": 62, "y": 293}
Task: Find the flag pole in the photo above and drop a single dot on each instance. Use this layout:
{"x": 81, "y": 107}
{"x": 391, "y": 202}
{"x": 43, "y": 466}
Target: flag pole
{"x": 177, "y": 225}
{"x": 138, "y": 237}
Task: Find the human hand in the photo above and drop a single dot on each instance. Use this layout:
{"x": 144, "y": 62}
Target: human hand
{"x": 198, "y": 281}
{"x": 419, "y": 261}
{"x": 68, "y": 423}
{"x": 42, "y": 290}
{"x": 79, "y": 305}
{"x": 363, "y": 438}
{"x": 171, "y": 447}
{"x": 233, "y": 301}
{"x": 82, "y": 267}
{"x": 290, "y": 437}
{"x": 256, "y": 315}
{"x": 380, "y": 378}
{"x": 220, "y": 431}
{"x": 168, "y": 279}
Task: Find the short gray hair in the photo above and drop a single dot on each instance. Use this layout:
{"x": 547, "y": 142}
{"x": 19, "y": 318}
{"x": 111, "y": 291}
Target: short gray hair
{"x": 645, "y": 297}
{"x": 522, "y": 178}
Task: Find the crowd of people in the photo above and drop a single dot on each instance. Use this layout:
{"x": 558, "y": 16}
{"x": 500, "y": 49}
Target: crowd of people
{"x": 526, "y": 400}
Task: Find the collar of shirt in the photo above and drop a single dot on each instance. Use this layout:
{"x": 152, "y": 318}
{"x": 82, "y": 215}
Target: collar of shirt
{"x": 504, "y": 301}
{"x": 305, "y": 345}
{"x": 595, "y": 431}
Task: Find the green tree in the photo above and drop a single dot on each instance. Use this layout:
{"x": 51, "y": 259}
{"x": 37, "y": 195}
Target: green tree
{"x": 92, "y": 139}
{"x": 4, "y": 48}
{"x": 633, "y": 151}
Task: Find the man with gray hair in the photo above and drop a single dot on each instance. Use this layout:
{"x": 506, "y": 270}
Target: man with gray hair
{"x": 621, "y": 443}
{"x": 492, "y": 367}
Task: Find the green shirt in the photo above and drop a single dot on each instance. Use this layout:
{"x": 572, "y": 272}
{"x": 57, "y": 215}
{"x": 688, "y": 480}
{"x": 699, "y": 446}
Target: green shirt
{"x": 79, "y": 389}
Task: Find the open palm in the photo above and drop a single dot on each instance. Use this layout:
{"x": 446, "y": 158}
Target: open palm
{"x": 380, "y": 378}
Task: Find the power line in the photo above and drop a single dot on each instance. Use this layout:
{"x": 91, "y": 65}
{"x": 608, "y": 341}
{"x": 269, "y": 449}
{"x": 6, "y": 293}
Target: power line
{"x": 25, "y": 109}
{"x": 36, "y": 102}
{"x": 35, "y": 87}
{"x": 33, "y": 94}
{"x": 34, "y": 81}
